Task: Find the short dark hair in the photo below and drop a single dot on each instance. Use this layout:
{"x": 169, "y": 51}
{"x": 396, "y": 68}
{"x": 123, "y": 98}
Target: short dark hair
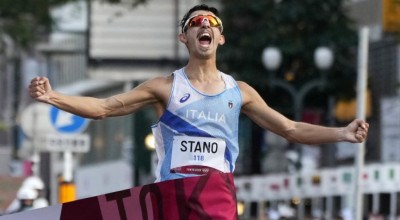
{"x": 202, "y": 7}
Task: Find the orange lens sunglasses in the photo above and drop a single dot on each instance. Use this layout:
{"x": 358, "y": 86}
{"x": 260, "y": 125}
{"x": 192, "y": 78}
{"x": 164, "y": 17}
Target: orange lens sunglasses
{"x": 197, "y": 21}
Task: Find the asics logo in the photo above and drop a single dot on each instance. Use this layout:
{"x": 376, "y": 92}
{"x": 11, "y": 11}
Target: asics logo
{"x": 184, "y": 98}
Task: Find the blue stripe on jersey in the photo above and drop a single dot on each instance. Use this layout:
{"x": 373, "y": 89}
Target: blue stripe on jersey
{"x": 183, "y": 127}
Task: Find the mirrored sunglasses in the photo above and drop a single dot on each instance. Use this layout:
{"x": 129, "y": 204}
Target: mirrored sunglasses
{"x": 197, "y": 21}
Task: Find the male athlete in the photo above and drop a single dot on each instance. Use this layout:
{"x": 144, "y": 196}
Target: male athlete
{"x": 198, "y": 107}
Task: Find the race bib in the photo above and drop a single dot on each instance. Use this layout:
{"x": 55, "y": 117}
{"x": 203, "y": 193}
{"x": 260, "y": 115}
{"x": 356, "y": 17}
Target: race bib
{"x": 197, "y": 155}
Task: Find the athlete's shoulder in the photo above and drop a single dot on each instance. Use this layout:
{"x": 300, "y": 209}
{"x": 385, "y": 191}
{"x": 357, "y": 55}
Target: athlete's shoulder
{"x": 159, "y": 86}
{"x": 248, "y": 92}
{"x": 243, "y": 85}
{"x": 160, "y": 81}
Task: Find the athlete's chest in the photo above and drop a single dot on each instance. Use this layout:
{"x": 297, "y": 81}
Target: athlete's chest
{"x": 211, "y": 87}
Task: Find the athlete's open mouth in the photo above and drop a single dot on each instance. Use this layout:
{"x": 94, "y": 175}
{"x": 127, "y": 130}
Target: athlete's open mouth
{"x": 205, "y": 39}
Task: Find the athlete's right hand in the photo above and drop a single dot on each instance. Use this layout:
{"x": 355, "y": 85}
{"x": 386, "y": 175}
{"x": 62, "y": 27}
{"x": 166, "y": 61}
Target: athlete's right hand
{"x": 40, "y": 89}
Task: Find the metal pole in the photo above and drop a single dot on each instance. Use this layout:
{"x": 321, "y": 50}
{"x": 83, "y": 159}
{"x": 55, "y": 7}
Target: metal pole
{"x": 375, "y": 203}
{"x": 393, "y": 205}
{"x": 298, "y": 96}
{"x": 68, "y": 166}
{"x": 301, "y": 209}
{"x": 361, "y": 91}
{"x": 261, "y": 210}
{"x": 329, "y": 207}
{"x": 35, "y": 154}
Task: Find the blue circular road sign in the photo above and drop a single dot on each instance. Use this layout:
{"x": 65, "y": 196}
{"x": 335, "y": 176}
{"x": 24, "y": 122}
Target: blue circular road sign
{"x": 65, "y": 122}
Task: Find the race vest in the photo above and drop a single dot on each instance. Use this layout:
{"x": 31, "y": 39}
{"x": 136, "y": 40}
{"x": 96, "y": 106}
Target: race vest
{"x": 198, "y": 133}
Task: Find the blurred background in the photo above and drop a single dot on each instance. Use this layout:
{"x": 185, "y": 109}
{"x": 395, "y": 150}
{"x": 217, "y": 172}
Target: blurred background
{"x": 301, "y": 56}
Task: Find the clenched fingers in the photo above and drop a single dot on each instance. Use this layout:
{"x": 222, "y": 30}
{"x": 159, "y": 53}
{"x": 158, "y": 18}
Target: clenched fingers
{"x": 362, "y": 131}
{"x": 38, "y": 87}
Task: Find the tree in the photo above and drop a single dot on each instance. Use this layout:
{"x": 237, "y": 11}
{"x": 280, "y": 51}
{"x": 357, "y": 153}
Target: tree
{"x": 27, "y": 21}
{"x": 22, "y": 24}
{"x": 296, "y": 28}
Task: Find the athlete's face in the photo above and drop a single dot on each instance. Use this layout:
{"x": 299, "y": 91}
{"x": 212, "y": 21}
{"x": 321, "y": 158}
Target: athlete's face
{"x": 202, "y": 35}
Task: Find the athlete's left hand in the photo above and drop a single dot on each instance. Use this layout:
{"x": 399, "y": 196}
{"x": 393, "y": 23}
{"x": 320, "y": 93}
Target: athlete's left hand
{"x": 357, "y": 131}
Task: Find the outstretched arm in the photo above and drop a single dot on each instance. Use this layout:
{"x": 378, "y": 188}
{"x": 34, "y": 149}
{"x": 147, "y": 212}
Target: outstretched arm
{"x": 298, "y": 132}
{"x": 96, "y": 108}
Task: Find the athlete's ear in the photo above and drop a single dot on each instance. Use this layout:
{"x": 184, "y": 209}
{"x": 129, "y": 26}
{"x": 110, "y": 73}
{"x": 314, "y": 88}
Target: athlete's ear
{"x": 182, "y": 38}
{"x": 221, "y": 40}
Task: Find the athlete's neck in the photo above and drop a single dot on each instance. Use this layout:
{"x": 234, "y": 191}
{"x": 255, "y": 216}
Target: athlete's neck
{"x": 202, "y": 71}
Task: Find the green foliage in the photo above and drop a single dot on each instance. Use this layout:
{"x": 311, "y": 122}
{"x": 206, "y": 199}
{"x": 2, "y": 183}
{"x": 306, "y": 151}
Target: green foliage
{"x": 297, "y": 28}
{"x": 17, "y": 20}
{"x": 25, "y": 21}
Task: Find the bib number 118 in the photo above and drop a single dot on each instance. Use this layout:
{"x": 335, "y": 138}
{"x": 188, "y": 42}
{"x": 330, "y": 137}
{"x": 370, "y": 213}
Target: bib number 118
{"x": 198, "y": 157}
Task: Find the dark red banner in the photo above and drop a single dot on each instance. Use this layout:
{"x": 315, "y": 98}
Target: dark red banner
{"x": 203, "y": 197}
